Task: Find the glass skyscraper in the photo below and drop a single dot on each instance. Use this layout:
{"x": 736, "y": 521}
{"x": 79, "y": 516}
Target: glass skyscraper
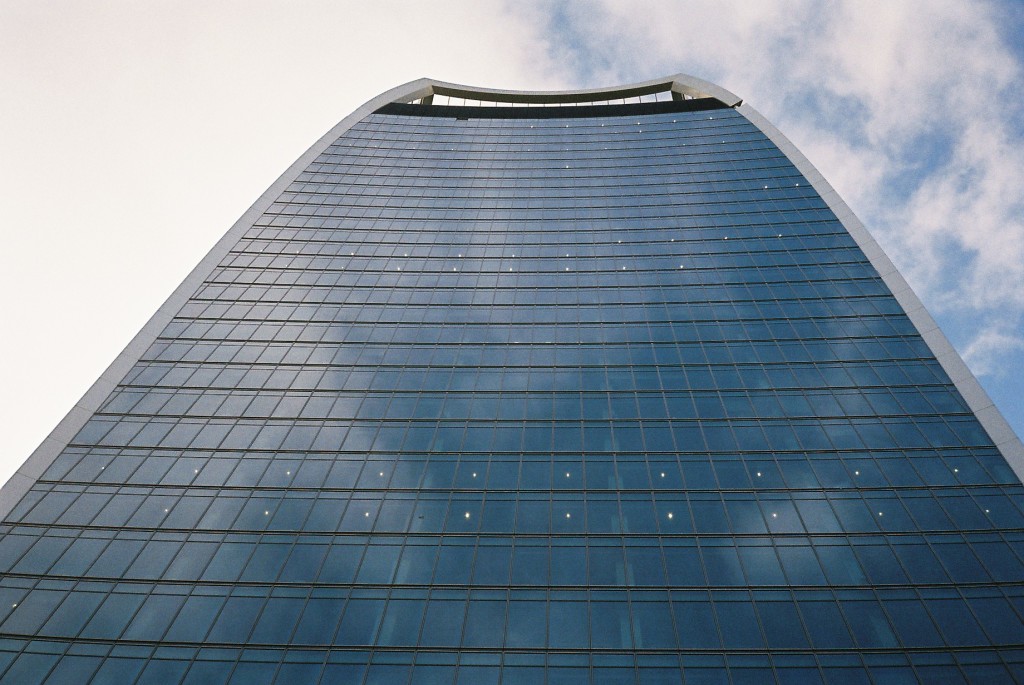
{"x": 503, "y": 387}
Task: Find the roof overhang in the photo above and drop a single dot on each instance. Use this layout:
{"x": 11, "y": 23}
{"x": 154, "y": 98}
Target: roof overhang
{"x": 681, "y": 86}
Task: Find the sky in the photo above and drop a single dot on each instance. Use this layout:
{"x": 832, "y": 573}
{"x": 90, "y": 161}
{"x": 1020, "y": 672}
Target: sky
{"x": 133, "y": 134}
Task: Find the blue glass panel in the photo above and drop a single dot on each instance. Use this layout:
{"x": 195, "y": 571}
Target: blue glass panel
{"x": 611, "y": 398}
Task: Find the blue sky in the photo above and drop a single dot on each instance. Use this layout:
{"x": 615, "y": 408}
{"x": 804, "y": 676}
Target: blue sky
{"x": 136, "y": 133}
{"x": 912, "y": 110}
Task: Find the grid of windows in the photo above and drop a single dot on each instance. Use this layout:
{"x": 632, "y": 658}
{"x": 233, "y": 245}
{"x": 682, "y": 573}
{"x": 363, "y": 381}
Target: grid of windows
{"x": 485, "y": 398}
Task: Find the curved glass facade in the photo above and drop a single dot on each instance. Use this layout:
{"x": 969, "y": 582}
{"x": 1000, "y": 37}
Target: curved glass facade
{"x": 592, "y": 394}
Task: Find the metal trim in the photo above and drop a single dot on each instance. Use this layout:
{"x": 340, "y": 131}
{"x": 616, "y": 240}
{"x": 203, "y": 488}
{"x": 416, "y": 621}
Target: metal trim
{"x": 679, "y": 84}
{"x": 44, "y": 455}
{"x": 978, "y": 401}
{"x": 424, "y": 89}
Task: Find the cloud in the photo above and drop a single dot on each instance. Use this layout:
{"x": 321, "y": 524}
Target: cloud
{"x": 987, "y": 349}
{"x": 910, "y": 109}
{"x": 136, "y": 133}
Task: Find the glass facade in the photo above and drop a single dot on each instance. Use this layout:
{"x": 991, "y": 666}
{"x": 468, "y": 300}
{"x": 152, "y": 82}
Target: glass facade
{"x": 600, "y": 394}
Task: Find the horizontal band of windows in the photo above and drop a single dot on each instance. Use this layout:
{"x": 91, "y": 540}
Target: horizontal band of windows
{"x": 726, "y": 284}
{"x": 669, "y": 516}
{"x": 411, "y": 170}
{"x": 766, "y": 214}
{"x": 760, "y": 404}
{"x": 639, "y": 151}
{"x": 764, "y": 253}
{"x": 775, "y": 188}
{"x": 760, "y": 168}
{"x": 519, "y": 618}
{"x": 572, "y": 208}
{"x": 214, "y": 303}
{"x": 799, "y": 225}
{"x": 834, "y": 328}
{"x": 754, "y": 174}
{"x": 437, "y": 665}
{"x": 763, "y": 167}
{"x": 390, "y": 243}
{"x": 280, "y": 474}
{"x": 670, "y": 282}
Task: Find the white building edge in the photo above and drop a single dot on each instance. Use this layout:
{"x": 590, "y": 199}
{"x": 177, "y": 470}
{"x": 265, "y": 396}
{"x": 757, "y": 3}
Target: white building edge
{"x": 680, "y": 86}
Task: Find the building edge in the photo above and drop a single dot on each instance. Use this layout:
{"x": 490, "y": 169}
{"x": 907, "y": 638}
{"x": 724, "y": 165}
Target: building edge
{"x": 44, "y": 455}
{"x": 420, "y": 89}
{"x": 424, "y": 89}
{"x": 978, "y": 401}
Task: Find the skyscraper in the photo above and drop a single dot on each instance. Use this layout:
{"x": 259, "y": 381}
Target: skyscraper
{"x": 581, "y": 387}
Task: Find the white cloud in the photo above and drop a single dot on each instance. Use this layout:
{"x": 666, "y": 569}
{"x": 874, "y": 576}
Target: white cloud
{"x": 988, "y": 349}
{"x": 136, "y": 133}
{"x": 905, "y": 108}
